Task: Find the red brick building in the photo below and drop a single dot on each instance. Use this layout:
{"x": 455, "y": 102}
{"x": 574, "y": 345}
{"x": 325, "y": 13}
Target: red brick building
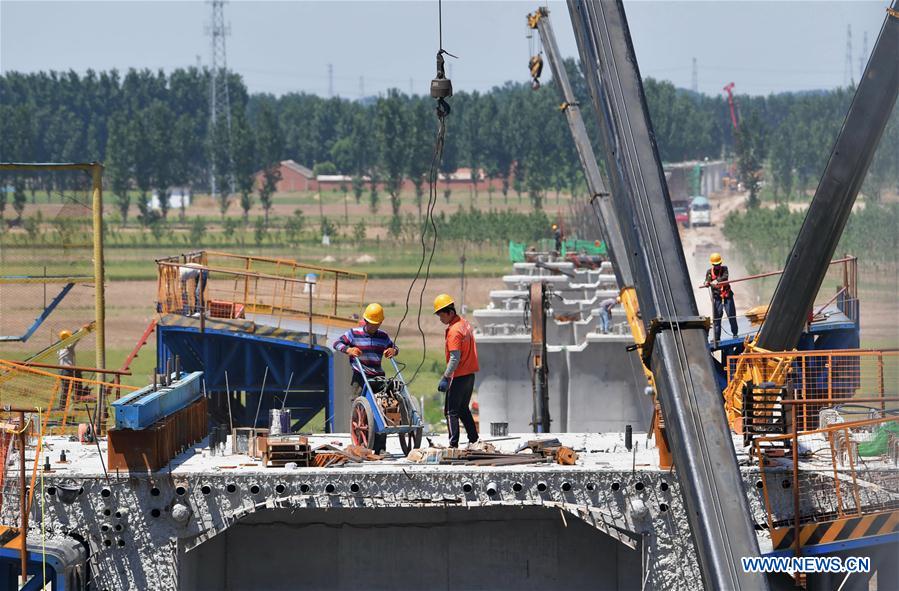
{"x": 296, "y": 178}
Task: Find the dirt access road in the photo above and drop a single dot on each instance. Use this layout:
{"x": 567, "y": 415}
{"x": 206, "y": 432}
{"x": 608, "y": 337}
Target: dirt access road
{"x": 700, "y": 242}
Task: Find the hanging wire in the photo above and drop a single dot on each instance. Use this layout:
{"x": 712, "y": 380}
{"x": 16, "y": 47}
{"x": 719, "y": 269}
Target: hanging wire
{"x": 443, "y": 111}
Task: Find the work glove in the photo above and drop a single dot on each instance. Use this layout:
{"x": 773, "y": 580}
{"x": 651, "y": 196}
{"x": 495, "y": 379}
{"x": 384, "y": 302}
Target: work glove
{"x": 715, "y": 282}
{"x": 443, "y": 386}
{"x": 354, "y": 351}
{"x": 389, "y": 352}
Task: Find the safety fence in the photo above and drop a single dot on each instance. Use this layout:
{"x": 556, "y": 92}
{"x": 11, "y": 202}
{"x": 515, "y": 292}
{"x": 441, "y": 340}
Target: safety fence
{"x": 67, "y": 399}
{"x": 278, "y": 292}
{"x": 836, "y": 483}
{"x": 817, "y": 380}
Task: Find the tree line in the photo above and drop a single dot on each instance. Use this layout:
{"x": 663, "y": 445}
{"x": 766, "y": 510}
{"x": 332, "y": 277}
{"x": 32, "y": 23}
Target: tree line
{"x": 153, "y": 132}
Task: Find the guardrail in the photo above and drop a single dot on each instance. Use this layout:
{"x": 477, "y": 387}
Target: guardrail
{"x": 220, "y": 285}
{"x": 817, "y": 378}
{"x": 841, "y": 274}
{"x": 839, "y": 483}
{"x": 65, "y": 396}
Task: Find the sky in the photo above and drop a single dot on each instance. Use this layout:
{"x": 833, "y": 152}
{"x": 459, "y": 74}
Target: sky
{"x": 289, "y": 46}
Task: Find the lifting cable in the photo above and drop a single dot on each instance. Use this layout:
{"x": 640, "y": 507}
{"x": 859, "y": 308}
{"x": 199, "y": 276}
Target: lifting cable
{"x": 441, "y": 89}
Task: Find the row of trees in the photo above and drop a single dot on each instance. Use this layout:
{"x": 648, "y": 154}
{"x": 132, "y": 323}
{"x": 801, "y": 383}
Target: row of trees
{"x": 765, "y": 236}
{"x": 153, "y": 132}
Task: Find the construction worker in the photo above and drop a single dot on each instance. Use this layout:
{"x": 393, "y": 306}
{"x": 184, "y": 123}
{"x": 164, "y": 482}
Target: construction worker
{"x": 367, "y": 343}
{"x": 722, "y": 295}
{"x": 66, "y": 355}
{"x": 557, "y": 236}
{"x": 461, "y": 366}
{"x": 605, "y": 313}
{"x": 66, "y": 359}
{"x": 193, "y": 278}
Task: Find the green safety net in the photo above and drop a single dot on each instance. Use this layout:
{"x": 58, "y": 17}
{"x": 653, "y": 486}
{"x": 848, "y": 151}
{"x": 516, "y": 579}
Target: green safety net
{"x": 879, "y": 444}
{"x": 588, "y": 247}
{"x": 516, "y": 251}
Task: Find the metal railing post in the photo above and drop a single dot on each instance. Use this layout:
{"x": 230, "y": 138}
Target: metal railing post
{"x": 796, "y": 508}
{"x": 23, "y": 509}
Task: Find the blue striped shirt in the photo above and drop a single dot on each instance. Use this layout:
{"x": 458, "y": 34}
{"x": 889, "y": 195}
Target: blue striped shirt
{"x": 372, "y": 347}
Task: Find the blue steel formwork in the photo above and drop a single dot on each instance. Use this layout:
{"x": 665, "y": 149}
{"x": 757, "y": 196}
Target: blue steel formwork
{"x": 245, "y": 357}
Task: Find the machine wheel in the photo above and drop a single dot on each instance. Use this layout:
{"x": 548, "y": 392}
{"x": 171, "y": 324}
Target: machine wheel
{"x": 362, "y": 424}
{"x": 410, "y": 440}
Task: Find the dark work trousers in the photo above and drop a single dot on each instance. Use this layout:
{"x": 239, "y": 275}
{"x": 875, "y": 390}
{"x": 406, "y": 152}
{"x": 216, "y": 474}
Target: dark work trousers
{"x": 722, "y": 306}
{"x": 455, "y": 407}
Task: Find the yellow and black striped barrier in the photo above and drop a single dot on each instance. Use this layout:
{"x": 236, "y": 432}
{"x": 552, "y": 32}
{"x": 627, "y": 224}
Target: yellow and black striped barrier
{"x": 838, "y": 530}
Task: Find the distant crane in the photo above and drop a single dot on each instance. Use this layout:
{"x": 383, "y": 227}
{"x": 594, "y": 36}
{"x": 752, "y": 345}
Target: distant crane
{"x": 733, "y": 105}
{"x": 729, "y": 89}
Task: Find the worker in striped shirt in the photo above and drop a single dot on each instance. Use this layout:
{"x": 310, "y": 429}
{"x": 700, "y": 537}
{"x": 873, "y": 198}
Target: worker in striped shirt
{"x": 367, "y": 343}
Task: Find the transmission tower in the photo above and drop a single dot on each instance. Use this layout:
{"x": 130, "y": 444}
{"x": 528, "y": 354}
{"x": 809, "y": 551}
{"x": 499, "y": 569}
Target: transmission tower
{"x": 847, "y": 70}
{"x": 695, "y": 77}
{"x": 330, "y": 80}
{"x": 863, "y": 57}
{"x": 219, "y": 99}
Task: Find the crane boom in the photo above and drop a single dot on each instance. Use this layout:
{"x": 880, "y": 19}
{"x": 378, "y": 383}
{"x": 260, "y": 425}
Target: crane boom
{"x": 677, "y": 346}
{"x": 599, "y": 195}
{"x": 829, "y": 210}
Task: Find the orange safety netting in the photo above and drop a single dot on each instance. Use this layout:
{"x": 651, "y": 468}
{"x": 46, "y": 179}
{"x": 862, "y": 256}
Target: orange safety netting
{"x": 66, "y": 400}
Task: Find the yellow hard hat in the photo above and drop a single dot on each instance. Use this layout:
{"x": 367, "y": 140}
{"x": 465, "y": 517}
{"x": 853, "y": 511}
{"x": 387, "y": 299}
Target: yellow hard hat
{"x": 64, "y": 334}
{"x": 555, "y": 226}
{"x": 715, "y": 259}
{"x": 374, "y": 314}
{"x": 442, "y": 301}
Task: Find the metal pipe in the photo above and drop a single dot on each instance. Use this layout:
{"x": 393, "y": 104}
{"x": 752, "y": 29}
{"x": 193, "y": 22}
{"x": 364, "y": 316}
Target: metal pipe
{"x": 99, "y": 269}
{"x": 80, "y": 368}
{"x": 795, "y": 450}
{"x": 603, "y": 205}
{"x": 867, "y": 400}
{"x": 99, "y": 287}
{"x": 832, "y": 204}
{"x": 22, "y": 499}
{"x": 769, "y": 274}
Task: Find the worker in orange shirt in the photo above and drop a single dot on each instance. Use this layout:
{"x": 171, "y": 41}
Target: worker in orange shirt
{"x": 461, "y": 366}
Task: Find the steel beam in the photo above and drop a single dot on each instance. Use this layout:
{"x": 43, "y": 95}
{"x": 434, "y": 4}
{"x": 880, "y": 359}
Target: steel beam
{"x": 678, "y": 350}
{"x": 830, "y": 208}
{"x": 145, "y": 407}
{"x": 600, "y": 197}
